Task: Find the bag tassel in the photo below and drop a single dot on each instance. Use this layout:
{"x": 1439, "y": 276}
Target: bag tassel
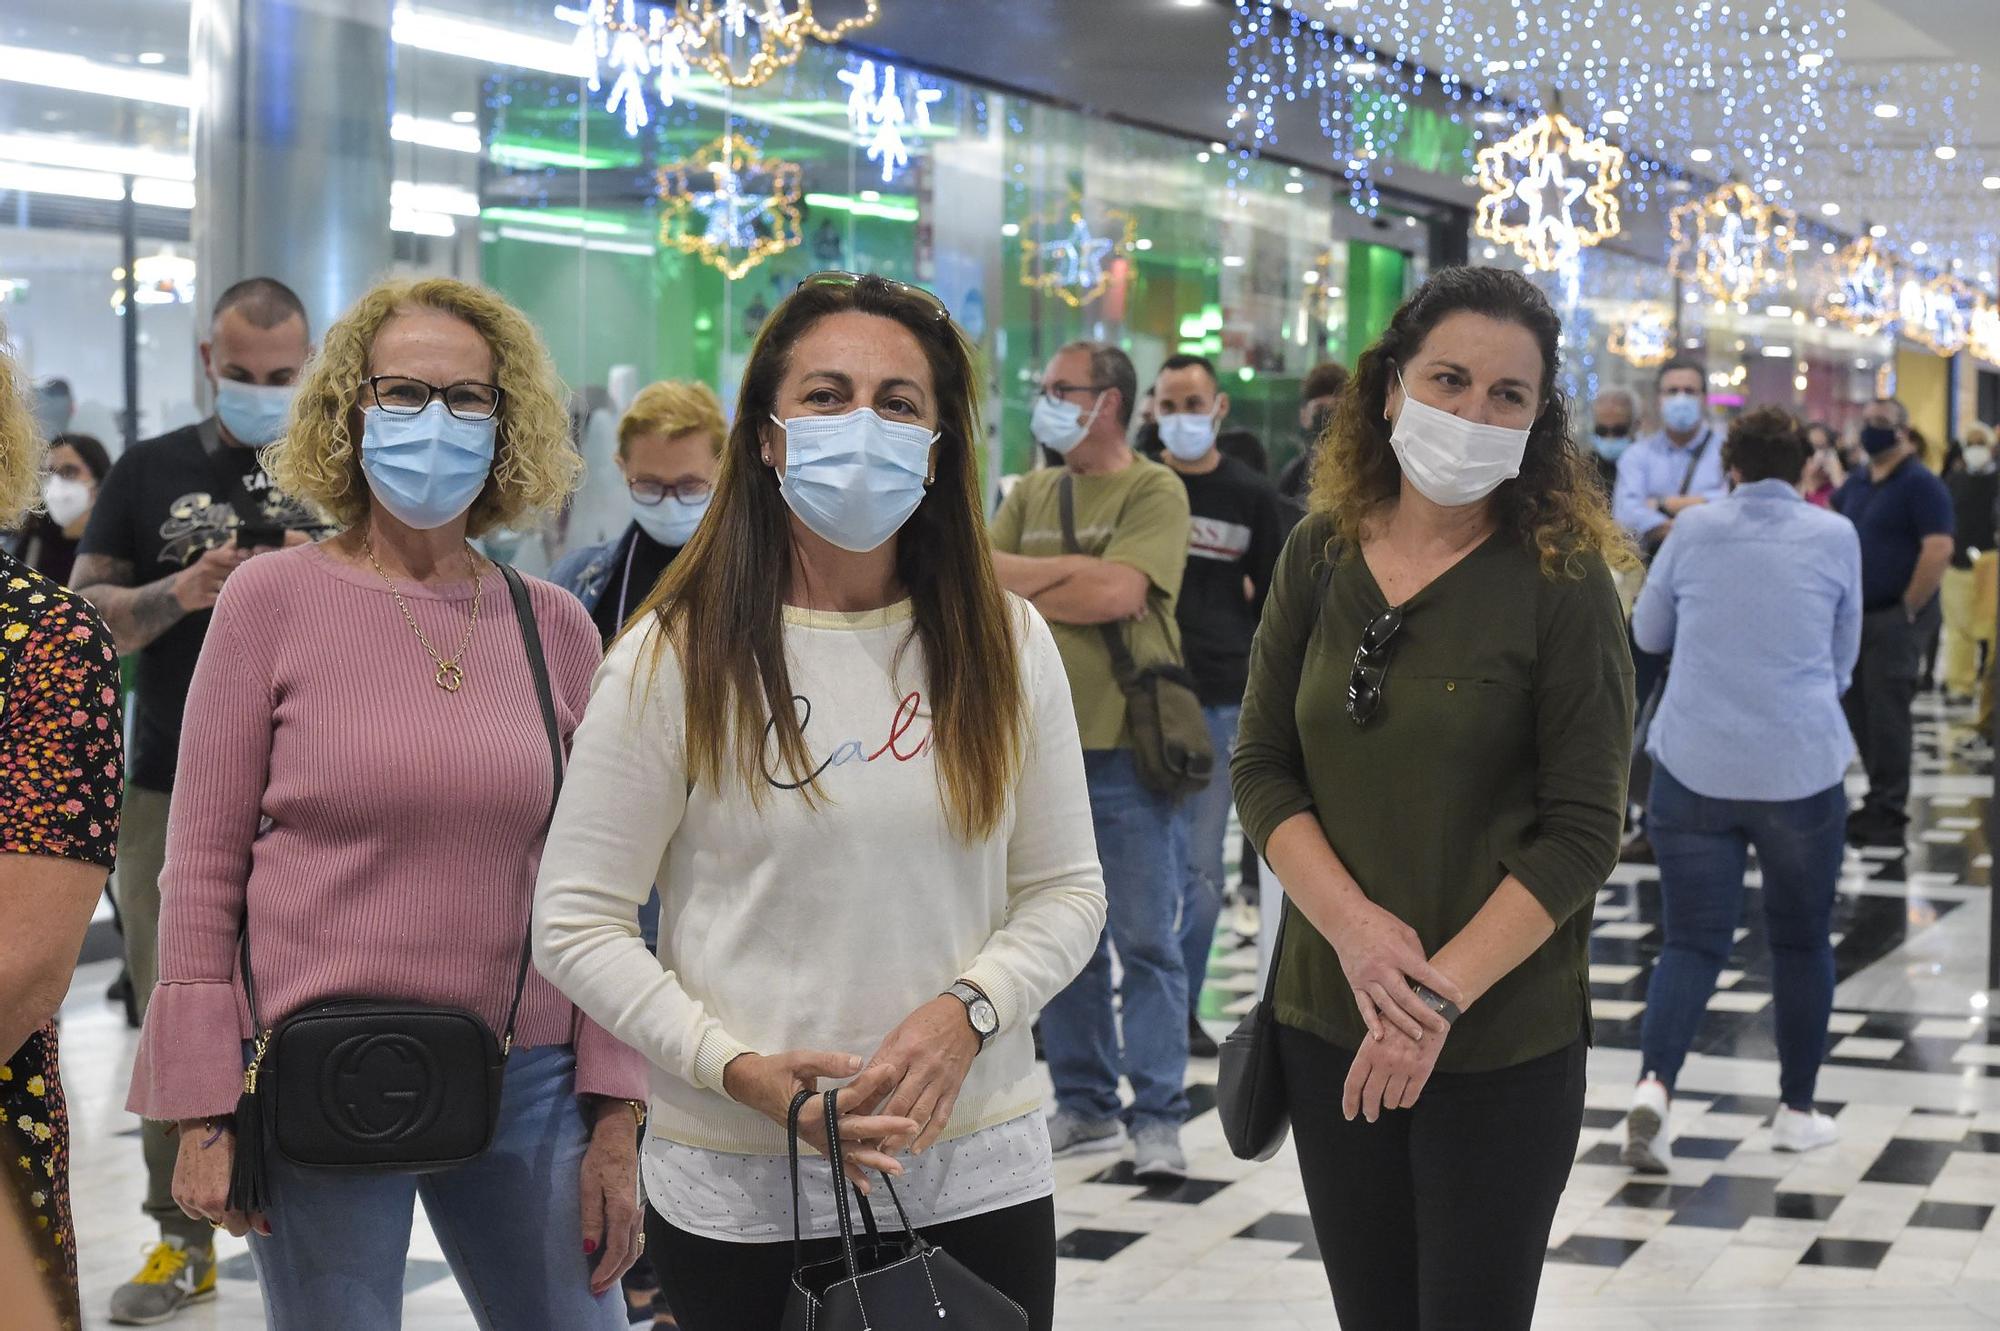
{"x": 249, "y": 1176}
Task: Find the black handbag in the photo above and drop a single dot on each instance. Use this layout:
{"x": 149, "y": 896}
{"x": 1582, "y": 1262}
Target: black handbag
{"x": 379, "y": 1085}
{"x": 1171, "y": 747}
{"x": 882, "y": 1282}
{"x": 1250, "y": 1084}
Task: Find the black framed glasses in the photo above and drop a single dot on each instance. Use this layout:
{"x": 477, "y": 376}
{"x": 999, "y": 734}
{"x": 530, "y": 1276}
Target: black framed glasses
{"x": 1371, "y": 665}
{"x": 652, "y": 493}
{"x": 1056, "y": 392}
{"x": 468, "y": 400}
{"x": 835, "y": 277}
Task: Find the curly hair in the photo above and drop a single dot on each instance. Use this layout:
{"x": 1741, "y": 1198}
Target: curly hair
{"x": 22, "y": 448}
{"x": 1766, "y": 444}
{"x": 535, "y": 465}
{"x": 1555, "y": 507}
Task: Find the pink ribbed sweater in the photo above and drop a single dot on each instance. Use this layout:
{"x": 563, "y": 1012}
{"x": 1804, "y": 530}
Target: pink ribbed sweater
{"x": 384, "y": 833}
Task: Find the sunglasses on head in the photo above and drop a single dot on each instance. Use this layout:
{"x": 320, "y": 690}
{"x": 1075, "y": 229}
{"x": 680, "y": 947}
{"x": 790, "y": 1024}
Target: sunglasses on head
{"x": 1371, "y": 665}
{"x": 834, "y": 277}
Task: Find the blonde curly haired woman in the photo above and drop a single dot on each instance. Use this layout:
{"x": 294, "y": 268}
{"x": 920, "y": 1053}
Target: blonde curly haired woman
{"x": 61, "y": 774}
{"x": 368, "y": 807}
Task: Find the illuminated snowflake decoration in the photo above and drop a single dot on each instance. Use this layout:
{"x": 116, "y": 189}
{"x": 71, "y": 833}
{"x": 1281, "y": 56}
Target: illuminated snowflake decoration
{"x": 1732, "y": 243}
{"x": 1646, "y": 339}
{"x": 612, "y": 36}
{"x": 1863, "y": 292}
{"x": 1985, "y": 340}
{"x": 1550, "y": 191}
{"x": 711, "y": 206}
{"x": 1074, "y": 263}
{"x": 1937, "y": 314}
{"x": 744, "y": 42}
{"x": 879, "y": 115}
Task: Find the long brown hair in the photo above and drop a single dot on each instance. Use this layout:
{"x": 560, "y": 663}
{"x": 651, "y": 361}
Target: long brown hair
{"x": 1555, "y": 507}
{"x": 721, "y": 603}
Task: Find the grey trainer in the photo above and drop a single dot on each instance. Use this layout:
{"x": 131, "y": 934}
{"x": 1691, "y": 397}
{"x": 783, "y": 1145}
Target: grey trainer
{"x": 1645, "y": 1125}
{"x": 1156, "y": 1152}
{"x": 1073, "y": 1134}
{"x": 173, "y": 1277}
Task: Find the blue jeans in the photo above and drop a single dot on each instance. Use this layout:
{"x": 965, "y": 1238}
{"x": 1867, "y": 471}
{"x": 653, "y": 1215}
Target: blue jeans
{"x": 1206, "y": 819}
{"x": 1702, "y": 846}
{"x": 1142, "y": 846}
{"x": 510, "y": 1224}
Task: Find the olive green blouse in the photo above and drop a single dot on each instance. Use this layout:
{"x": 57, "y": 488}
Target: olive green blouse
{"x": 1501, "y": 746}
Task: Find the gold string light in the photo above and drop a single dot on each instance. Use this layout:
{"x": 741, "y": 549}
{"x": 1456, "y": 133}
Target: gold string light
{"x": 1550, "y": 167}
{"x": 1732, "y": 243}
{"x": 724, "y": 28}
{"x": 1070, "y": 259}
{"x": 1646, "y": 338}
{"x": 1864, "y": 288}
{"x": 707, "y": 211}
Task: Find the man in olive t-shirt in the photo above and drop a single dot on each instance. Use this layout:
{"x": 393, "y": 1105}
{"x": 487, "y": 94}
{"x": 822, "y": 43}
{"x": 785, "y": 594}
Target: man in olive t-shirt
{"x": 1132, "y": 528}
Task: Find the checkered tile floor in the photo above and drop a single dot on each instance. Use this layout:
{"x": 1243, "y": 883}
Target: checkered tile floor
{"x": 1893, "y": 1226}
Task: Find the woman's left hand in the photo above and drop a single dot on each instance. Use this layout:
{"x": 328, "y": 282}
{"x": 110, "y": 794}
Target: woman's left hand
{"x": 931, "y": 1051}
{"x": 1389, "y": 1073}
{"x": 612, "y": 1227}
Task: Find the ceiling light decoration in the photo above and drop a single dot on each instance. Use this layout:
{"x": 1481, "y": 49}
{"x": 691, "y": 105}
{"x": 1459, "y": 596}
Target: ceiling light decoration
{"x": 1071, "y": 259}
{"x": 1550, "y": 191}
{"x": 879, "y": 116}
{"x": 711, "y": 205}
{"x": 1937, "y": 314}
{"x": 1732, "y": 243}
{"x": 1646, "y": 338}
{"x": 1863, "y": 295}
{"x": 656, "y": 48}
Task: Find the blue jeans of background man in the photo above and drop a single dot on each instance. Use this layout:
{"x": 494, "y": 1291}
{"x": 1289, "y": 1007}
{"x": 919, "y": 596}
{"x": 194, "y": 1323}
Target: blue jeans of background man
{"x": 1143, "y": 848}
{"x": 1206, "y": 816}
{"x": 1702, "y": 846}
{"x": 510, "y": 1224}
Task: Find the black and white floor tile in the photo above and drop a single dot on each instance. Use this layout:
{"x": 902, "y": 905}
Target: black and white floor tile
{"x": 1896, "y": 1225}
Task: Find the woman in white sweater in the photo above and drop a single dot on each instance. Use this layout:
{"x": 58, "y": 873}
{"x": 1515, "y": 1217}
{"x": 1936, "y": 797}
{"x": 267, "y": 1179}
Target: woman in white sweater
{"x": 849, "y": 761}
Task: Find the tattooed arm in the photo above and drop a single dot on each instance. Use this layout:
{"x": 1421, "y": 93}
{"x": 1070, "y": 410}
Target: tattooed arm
{"x": 139, "y": 614}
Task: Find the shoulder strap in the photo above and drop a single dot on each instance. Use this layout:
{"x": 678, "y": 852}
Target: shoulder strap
{"x": 1122, "y": 665}
{"x": 1694, "y": 460}
{"x": 531, "y": 637}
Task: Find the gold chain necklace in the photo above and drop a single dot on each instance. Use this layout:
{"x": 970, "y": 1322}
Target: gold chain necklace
{"x": 450, "y": 674}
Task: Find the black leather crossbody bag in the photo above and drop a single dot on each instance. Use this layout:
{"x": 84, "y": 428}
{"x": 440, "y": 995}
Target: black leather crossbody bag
{"x": 380, "y": 1085}
{"x": 882, "y": 1282}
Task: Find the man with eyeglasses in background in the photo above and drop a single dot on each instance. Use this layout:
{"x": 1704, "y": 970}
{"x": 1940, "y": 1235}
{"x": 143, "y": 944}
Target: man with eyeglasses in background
{"x": 1132, "y": 527}
{"x": 174, "y": 518}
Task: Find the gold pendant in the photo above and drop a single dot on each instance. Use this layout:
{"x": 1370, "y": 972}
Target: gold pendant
{"x": 449, "y": 676}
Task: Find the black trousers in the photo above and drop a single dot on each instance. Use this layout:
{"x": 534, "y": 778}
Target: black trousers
{"x": 1435, "y": 1218}
{"x": 716, "y": 1286}
{"x": 1878, "y": 709}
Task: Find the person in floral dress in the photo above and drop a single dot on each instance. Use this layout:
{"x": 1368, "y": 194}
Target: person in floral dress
{"x": 61, "y": 774}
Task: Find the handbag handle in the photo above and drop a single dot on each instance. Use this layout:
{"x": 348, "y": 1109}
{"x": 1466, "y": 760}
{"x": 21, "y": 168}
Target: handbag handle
{"x": 832, "y": 1111}
{"x": 538, "y": 666}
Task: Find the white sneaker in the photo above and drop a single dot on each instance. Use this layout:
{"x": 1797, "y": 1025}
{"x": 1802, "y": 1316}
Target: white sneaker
{"x": 1645, "y": 1127}
{"x": 1796, "y": 1130}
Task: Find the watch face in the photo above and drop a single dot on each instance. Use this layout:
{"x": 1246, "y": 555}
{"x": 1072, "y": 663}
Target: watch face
{"x": 984, "y": 1019}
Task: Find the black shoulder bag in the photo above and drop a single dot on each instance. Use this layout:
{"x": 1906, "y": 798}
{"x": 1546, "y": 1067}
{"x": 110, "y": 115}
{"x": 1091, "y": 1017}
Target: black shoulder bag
{"x": 1170, "y": 743}
{"x": 1650, "y": 543}
{"x": 1250, "y": 1082}
{"x": 893, "y": 1282}
{"x": 376, "y": 1085}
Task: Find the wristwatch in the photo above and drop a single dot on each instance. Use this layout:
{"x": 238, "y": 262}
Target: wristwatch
{"x": 1437, "y": 1003}
{"x": 979, "y": 1011}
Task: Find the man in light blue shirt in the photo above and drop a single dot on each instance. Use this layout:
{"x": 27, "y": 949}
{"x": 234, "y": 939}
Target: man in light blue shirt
{"x": 1667, "y": 473}
{"x": 1758, "y": 598}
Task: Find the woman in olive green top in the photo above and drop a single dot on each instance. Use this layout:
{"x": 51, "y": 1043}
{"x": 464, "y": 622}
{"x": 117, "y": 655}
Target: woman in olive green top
{"x": 1433, "y": 755}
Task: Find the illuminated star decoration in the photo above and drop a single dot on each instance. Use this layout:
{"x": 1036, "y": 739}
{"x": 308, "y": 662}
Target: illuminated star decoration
{"x": 1937, "y": 314}
{"x": 878, "y": 116}
{"x": 1549, "y": 168}
{"x": 1732, "y": 243}
{"x": 707, "y": 207}
{"x": 1863, "y": 294}
{"x": 1074, "y": 264}
{"x": 1646, "y": 338}
{"x": 1985, "y": 339}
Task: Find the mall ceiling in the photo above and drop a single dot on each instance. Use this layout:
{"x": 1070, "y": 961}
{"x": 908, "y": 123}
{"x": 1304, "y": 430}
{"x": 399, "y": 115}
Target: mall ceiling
{"x": 1165, "y": 63}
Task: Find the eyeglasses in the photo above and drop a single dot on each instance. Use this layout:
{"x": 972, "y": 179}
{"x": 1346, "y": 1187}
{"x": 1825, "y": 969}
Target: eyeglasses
{"x": 1371, "y": 665}
{"x": 1056, "y": 392}
{"x": 468, "y": 400}
{"x": 834, "y": 277}
{"x": 652, "y": 493}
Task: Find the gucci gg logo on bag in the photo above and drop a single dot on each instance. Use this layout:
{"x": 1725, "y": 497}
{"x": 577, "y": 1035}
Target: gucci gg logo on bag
{"x": 380, "y": 1087}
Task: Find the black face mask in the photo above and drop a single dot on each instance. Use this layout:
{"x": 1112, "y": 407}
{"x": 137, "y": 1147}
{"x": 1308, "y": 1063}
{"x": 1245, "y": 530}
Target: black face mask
{"x": 1878, "y": 439}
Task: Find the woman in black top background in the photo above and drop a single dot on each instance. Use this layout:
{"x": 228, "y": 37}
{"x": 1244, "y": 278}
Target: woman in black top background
{"x": 46, "y": 541}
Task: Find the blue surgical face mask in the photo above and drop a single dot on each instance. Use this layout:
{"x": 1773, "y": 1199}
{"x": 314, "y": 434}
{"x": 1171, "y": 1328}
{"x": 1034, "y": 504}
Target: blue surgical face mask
{"x": 1060, "y": 424}
{"x": 854, "y": 479}
{"x": 1186, "y": 435}
{"x": 1681, "y": 412}
{"x": 426, "y": 469}
{"x": 1610, "y": 447}
{"x": 253, "y": 413}
{"x": 670, "y": 522}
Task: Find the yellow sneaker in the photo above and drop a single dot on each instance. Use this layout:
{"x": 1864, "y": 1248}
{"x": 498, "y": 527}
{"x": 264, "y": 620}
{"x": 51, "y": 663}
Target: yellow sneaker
{"x": 173, "y": 1277}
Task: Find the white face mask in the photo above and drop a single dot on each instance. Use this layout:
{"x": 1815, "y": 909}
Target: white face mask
{"x": 1978, "y": 458}
{"x": 1059, "y": 424}
{"x": 1187, "y": 436}
{"x": 65, "y": 499}
{"x": 1452, "y": 461}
